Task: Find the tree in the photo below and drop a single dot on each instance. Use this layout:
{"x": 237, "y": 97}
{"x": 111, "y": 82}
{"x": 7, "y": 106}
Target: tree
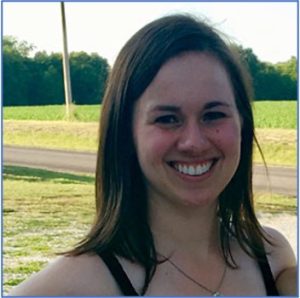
{"x": 16, "y": 73}
{"x": 88, "y": 76}
{"x": 12, "y": 46}
{"x": 38, "y": 80}
{"x": 270, "y": 82}
{"x": 288, "y": 68}
{"x": 47, "y": 83}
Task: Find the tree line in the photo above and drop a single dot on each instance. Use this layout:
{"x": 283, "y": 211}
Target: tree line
{"x": 38, "y": 79}
{"x": 271, "y": 81}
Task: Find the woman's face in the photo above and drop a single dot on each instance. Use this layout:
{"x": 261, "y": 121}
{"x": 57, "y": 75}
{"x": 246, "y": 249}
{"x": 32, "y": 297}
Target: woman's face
{"x": 187, "y": 131}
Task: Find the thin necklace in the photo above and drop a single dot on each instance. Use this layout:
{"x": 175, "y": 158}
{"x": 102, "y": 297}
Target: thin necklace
{"x": 213, "y": 293}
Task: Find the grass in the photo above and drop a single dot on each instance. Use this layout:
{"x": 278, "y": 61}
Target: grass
{"x": 275, "y": 114}
{"x": 279, "y": 146}
{"x": 81, "y": 113}
{"x": 44, "y": 213}
{"x": 52, "y": 134}
{"x": 265, "y": 202}
{"x": 47, "y": 212}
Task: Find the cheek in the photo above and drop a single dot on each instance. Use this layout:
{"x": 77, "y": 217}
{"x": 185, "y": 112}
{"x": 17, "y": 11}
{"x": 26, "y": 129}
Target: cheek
{"x": 152, "y": 144}
{"x": 229, "y": 138}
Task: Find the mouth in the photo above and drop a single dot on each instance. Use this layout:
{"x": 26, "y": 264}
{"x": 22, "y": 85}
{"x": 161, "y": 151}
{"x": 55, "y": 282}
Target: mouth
{"x": 193, "y": 169}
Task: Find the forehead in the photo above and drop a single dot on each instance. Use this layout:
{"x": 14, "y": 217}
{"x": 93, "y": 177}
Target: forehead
{"x": 192, "y": 77}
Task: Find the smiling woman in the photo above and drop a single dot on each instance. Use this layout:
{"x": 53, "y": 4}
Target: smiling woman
{"x": 187, "y": 121}
{"x": 175, "y": 214}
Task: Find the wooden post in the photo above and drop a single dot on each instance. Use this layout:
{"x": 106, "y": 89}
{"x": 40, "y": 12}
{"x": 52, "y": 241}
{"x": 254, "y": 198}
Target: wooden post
{"x": 66, "y": 65}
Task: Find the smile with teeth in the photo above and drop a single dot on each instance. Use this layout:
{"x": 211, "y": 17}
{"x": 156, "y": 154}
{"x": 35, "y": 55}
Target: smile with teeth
{"x": 193, "y": 170}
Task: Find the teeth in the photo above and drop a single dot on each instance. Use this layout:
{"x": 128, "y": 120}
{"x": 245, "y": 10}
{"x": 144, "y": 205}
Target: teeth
{"x": 195, "y": 170}
{"x": 192, "y": 170}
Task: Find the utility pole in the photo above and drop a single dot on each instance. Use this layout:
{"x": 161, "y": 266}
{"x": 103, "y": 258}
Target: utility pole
{"x": 66, "y": 65}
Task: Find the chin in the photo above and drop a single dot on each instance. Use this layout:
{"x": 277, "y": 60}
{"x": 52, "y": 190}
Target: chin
{"x": 202, "y": 201}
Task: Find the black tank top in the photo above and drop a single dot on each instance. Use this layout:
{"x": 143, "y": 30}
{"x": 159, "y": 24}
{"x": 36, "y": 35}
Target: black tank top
{"x": 127, "y": 288}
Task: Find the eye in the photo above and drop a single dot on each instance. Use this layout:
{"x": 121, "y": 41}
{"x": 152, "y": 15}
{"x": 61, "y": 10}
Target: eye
{"x": 212, "y": 116}
{"x": 167, "y": 120}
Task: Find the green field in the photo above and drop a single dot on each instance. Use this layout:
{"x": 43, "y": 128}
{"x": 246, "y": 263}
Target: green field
{"x": 275, "y": 114}
{"x": 47, "y": 212}
{"x": 268, "y": 114}
{"x": 82, "y": 113}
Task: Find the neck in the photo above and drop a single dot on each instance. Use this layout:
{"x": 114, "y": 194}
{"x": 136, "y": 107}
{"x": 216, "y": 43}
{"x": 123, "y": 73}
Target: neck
{"x": 187, "y": 230}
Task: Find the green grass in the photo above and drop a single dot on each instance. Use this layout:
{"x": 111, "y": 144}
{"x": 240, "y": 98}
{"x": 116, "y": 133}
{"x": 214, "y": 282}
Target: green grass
{"x": 52, "y": 134}
{"x": 47, "y": 113}
{"x": 44, "y": 213}
{"x": 279, "y": 146}
{"x": 265, "y": 202}
{"x": 47, "y": 212}
{"x": 275, "y": 114}
{"x": 81, "y": 113}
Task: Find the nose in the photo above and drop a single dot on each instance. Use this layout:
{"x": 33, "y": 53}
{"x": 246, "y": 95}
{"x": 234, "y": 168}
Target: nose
{"x": 193, "y": 139}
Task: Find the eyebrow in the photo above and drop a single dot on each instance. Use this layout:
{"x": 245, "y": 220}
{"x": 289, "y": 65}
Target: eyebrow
{"x": 168, "y": 108}
{"x": 213, "y": 104}
{"x": 173, "y": 108}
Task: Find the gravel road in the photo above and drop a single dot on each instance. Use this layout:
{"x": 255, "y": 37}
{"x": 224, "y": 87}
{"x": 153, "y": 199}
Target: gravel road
{"x": 283, "y": 222}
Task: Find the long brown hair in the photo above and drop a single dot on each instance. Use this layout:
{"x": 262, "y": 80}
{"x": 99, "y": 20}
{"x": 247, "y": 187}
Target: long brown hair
{"x": 121, "y": 224}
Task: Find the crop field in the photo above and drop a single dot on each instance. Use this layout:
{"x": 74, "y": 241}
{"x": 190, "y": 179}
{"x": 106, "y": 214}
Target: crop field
{"x": 82, "y": 113}
{"x": 267, "y": 114}
{"x": 273, "y": 114}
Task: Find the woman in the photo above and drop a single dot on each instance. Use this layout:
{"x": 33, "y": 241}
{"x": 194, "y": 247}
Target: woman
{"x": 174, "y": 179}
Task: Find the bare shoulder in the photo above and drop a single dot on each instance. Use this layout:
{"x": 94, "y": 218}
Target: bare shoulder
{"x": 286, "y": 282}
{"x": 84, "y": 275}
{"x": 281, "y": 255}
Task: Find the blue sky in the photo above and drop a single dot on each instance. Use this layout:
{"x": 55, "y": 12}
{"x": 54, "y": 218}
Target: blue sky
{"x": 270, "y": 29}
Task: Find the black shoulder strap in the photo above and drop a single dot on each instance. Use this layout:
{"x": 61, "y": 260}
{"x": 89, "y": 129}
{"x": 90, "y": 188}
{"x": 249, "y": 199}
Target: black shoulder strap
{"x": 118, "y": 273}
{"x": 268, "y": 276}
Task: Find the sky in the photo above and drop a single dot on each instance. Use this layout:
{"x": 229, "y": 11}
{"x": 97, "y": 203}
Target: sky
{"x": 270, "y": 29}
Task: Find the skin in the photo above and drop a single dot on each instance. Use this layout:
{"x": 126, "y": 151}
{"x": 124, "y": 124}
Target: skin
{"x": 287, "y": 281}
{"x": 186, "y": 116}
